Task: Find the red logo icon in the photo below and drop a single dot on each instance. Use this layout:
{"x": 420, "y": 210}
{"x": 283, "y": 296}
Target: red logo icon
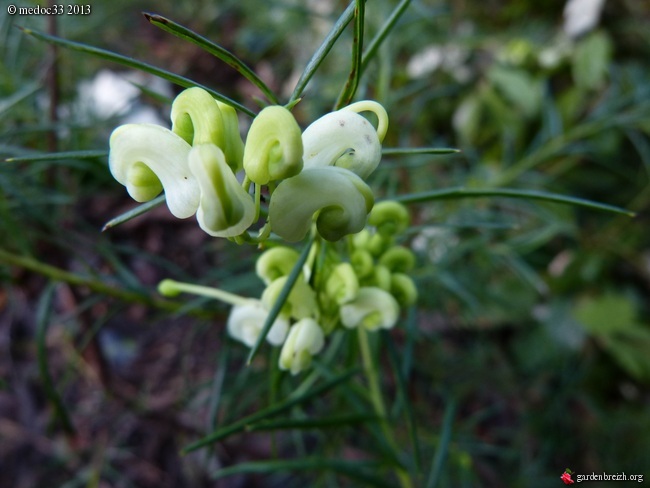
{"x": 566, "y": 477}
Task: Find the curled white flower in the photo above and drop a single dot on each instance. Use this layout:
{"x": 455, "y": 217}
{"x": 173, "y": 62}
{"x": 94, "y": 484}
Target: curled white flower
{"x": 305, "y": 339}
{"x": 147, "y": 158}
{"x": 346, "y": 139}
{"x": 273, "y": 149}
{"x": 339, "y": 197}
{"x": 246, "y": 321}
{"x": 373, "y": 308}
{"x": 225, "y": 209}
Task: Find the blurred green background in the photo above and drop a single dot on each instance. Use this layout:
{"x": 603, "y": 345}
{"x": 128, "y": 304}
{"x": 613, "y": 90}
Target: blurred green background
{"x": 529, "y": 350}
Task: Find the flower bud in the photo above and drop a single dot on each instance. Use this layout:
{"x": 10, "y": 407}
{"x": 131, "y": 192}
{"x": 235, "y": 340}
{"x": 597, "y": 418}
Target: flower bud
{"x": 301, "y": 302}
{"x": 342, "y": 284}
{"x": 382, "y": 277}
{"x": 398, "y": 259}
{"x": 361, "y": 239}
{"x": 305, "y": 339}
{"x": 200, "y": 119}
{"x": 390, "y": 218}
{"x": 275, "y": 263}
{"x": 403, "y": 289}
{"x": 362, "y": 263}
{"x": 273, "y": 149}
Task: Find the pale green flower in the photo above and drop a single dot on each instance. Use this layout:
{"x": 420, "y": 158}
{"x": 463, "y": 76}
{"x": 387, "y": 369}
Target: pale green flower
{"x": 246, "y": 321}
{"x": 339, "y": 199}
{"x": 200, "y": 119}
{"x": 305, "y": 339}
{"x": 225, "y": 208}
{"x": 273, "y": 149}
{"x": 373, "y": 309}
{"x": 147, "y": 158}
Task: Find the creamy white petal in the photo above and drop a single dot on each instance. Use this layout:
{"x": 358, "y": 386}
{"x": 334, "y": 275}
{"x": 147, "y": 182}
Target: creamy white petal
{"x": 225, "y": 208}
{"x": 246, "y": 321}
{"x": 147, "y": 158}
{"x": 340, "y": 197}
{"x": 373, "y": 308}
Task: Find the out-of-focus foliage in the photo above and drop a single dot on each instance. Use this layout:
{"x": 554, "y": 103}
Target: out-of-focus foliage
{"x": 529, "y": 350}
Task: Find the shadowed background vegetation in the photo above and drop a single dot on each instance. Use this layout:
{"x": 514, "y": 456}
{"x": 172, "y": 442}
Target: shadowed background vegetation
{"x": 528, "y": 351}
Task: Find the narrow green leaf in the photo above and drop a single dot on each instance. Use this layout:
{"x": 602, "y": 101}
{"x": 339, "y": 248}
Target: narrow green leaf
{"x": 214, "y": 49}
{"x": 135, "y": 64}
{"x": 97, "y": 285}
{"x": 327, "y": 422}
{"x": 357, "y": 470}
{"x": 153, "y": 94}
{"x": 352, "y": 83}
{"x": 216, "y": 392}
{"x": 383, "y": 33}
{"x": 42, "y": 321}
{"x": 409, "y": 151}
{"x": 461, "y": 192}
{"x": 17, "y": 97}
{"x": 242, "y": 424}
{"x": 90, "y": 154}
{"x": 443, "y": 446}
{"x": 322, "y": 51}
{"x": 133, "y": 213}
{"x": 282, "y": 298}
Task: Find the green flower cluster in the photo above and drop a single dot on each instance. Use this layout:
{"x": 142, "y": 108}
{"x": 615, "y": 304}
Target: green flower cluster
{"x": 365, "y": 287}
{"x": 317, "y": 175}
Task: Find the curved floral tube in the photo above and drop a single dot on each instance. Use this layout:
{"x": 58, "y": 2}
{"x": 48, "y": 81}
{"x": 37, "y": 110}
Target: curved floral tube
{"x": 305, "y": 339}
{"x": 403, "y": 289}
{"x": 234, "y": 150}
{"x": 376, "y": 108}
{"x": 275, "y": 263}
{"x": 398, "y": 259}
{"x": 200, "y": 119}
{"x": 225, "y": 208}
{"x": 362, "y": 263}
{"x": 273, "y": 149}
{"x": 373, "y": 308}
{"x": 245, "y": 324}
{"x": 147, "y": 158}
{"x": 381, "y": 277}
{"x": 346, "y": 139}
{"x": 340, "y": 197}
{"x": 390, "y": 218}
